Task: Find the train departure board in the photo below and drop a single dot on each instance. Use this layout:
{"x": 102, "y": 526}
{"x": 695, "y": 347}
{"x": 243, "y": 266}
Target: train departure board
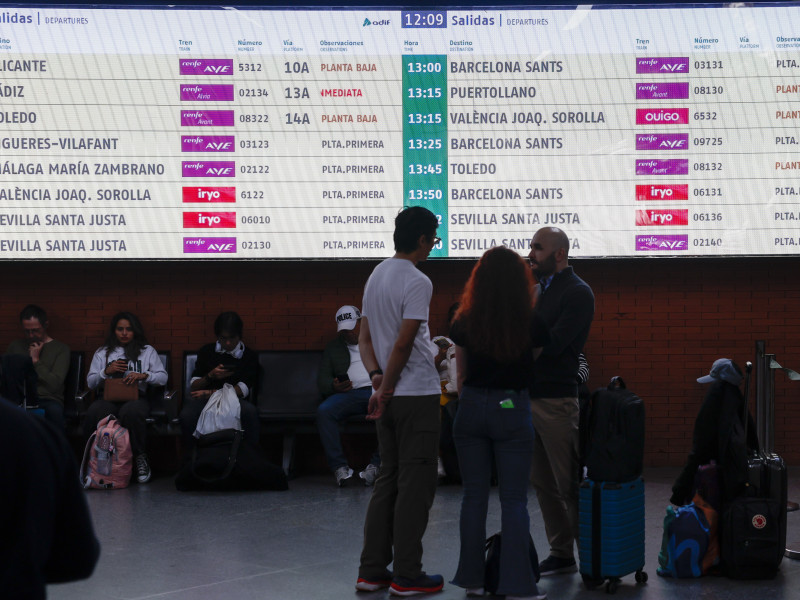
{"x": 239, "y": 133}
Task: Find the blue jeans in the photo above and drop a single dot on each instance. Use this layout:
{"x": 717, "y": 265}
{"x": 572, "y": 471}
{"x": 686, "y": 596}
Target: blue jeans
{"x": 484, "y": 431}
{"x": 334, "y": 410}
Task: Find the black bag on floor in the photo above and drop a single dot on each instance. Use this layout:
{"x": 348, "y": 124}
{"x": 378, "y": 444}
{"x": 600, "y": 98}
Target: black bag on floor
{"x": 491, "y": 579}
{"x": 753, "y": 528}
{"x": 221, "y": 461}
{"x": 615, "y": 439}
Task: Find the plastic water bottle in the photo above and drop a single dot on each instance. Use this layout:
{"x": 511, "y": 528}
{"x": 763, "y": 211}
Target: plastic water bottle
{"x": 104, "y": 455}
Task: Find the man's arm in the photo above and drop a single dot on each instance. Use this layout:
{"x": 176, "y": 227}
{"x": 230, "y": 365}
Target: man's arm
{"x": 53, "y": 374}
{"x": 325, "y": 375}
{"x": 577, "y": 312}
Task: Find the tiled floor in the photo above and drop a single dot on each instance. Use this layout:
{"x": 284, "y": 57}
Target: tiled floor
{"x": 305, "y": 543}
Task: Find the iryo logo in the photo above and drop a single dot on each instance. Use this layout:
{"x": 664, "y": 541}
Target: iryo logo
{"x": 209, "y": 220}
{"x": 678, "y": 191}
{"x": 662, "y": 141}
{"x": 214, "y": 168}
{"x": 662, "y": 116}
{"x": 662, "y": 64}
{"x": 650, "y": 243}
{"x": 206, "y": 66}
{"x": 202, "y": 194}
{"x": 662, "y": 217}
{"x": 204, "y": 245}
{"x": 208, "y": 143}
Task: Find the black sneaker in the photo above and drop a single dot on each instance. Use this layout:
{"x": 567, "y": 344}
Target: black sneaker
{"x": 143, "y": 472}
{"x": 424, "y": 584}
{"x": 553, "y": 565}
{"x": 371, "y": 584}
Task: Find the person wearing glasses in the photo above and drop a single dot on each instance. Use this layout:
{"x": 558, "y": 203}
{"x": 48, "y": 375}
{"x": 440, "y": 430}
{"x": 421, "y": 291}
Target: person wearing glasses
{"x": 227, "y": 360}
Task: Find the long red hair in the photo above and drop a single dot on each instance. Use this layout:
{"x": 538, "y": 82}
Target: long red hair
{"x": 496, "y": 305}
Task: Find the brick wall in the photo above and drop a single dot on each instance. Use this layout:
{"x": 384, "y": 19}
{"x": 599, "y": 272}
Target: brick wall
{"x": 659, "y": 323}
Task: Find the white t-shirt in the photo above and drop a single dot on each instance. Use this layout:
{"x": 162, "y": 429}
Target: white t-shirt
{"x": 397, "y": 290}
{"x": 357, "y": 372}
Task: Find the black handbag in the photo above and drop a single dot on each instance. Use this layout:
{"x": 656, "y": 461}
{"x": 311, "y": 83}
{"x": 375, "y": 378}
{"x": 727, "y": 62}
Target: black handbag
{"x": 491, "y": 578}
{"x": 215, "y": 454}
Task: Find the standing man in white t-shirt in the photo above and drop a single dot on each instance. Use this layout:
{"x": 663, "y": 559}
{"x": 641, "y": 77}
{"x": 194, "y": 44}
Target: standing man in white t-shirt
{"x": 395, "y": 347}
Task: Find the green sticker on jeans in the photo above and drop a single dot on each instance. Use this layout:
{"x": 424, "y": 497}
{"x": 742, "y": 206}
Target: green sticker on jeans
{"x": 507, "y": 403}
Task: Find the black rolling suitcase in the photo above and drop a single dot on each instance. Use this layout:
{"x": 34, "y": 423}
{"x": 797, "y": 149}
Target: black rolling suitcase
{"x": 753, "y": 525}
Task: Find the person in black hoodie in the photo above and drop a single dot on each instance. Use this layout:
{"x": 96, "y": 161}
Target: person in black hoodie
{"x": 46, "y": 532}
{"x": 566, "y": 303}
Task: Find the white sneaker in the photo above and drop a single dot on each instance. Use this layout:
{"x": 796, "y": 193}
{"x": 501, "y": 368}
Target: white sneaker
{"x": 370, "y": 474}
{"x": 344, "y": 475}
{"x": 476, "y": 591}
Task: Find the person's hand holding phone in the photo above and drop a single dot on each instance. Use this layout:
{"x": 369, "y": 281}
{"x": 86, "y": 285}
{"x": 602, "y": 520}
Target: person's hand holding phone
{"x": 342, "y": 383}
{"x": 220, "y": 372}
{"x": 116, "y": 366}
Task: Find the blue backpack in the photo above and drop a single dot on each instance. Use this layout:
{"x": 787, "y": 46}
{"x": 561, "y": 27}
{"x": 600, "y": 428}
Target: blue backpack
{"x": 687, "y": 537}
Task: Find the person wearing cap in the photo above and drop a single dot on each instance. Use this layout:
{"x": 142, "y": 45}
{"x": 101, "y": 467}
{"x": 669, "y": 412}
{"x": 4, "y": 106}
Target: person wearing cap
{"x": 227, "y": 360}
{"x": 345, "y": 384}
{"x": 718, "y": 434}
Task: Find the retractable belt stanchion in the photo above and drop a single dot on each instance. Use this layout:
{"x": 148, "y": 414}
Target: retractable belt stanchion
{"x": 766, "y": 365}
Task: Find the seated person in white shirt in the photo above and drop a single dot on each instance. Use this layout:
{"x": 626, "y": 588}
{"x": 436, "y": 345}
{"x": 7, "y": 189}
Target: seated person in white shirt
{"x": 345, "y": 383}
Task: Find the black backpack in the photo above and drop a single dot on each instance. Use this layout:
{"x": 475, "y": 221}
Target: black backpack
{"x": 615, "y": 434}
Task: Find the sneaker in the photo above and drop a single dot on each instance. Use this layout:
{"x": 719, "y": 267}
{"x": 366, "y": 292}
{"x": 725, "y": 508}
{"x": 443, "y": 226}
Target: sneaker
{"x": 424, "y": 584}
{"x": 475, "y": 591}
{"x": 344, "y": 475}
{"x": 143, "y": 472}
{"x": 536, "y": 596}
{"x": 370, "y": 584}
{"x": 553, "y": 565}
{"x": 370, "y": 474}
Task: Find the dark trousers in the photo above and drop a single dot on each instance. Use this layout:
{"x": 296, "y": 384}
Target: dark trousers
{"x": 334, "y": 410}
{"x": 190, "y": 414}
{"x": 132, "y": 416}
{"x": 485, "y": 432}
{"x": 397, "y": 515}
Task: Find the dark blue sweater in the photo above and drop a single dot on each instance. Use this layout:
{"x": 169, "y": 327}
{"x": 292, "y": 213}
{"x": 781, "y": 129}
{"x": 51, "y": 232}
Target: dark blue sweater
{"x": 567, "y": 306}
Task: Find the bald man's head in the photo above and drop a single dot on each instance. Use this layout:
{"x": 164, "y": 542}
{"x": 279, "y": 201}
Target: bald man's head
{"x": 549, "y": 251}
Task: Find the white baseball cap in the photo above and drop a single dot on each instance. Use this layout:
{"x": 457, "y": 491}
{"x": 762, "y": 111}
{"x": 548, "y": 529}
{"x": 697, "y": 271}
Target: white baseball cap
{"x": 347, "y": 317}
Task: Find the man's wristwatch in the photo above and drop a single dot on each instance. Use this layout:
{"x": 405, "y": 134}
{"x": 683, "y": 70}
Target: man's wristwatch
{"x": 375, "y": 372}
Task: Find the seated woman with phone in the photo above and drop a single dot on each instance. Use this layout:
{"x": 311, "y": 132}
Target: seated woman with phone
{"x": 120, "y": 371}
{"x": 227, "y": 360}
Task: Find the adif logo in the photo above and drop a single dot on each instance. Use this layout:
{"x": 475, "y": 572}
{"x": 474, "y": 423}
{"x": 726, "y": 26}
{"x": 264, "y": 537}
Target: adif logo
{"x": 201, "y": 245}
{"x": 662, "y": 217}
{"x": 381, "y": 22}
{"x": 662, "y": 192}
{"x": 209, "y": 220}
{"x": 648, "y": 243}
{"x": 201, "y": 194}
{"x": 367, "y": 22}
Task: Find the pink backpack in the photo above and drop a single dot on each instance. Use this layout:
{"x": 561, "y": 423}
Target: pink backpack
{"x": 108, "y": 459}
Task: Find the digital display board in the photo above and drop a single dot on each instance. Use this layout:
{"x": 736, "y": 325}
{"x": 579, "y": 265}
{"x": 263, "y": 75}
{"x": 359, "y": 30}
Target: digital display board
{"x": 225, "y": 133}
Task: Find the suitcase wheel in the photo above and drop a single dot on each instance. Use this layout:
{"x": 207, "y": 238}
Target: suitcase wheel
{"x": 641, "y": 577}
{"x": 611, "y": 586}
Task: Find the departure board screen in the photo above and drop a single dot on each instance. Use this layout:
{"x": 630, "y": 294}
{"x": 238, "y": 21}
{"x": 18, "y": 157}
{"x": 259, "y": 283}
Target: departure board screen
{"x": 232, "y": 133}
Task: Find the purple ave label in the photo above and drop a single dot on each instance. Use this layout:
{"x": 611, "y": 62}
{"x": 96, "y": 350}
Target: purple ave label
{"x": 208, "y": 143}
{"x": 662, "y": 90}
{"x": 206, "y": 92}
{"x": 209, "y": 168}
{"x": 206, "y": 66}
{"x": 209, "y": 245}
{"x": 648, "y": 243}
{"x": 662, "y": 166}
{"x": 662, "y": 141}
{"x": 662, "y": 64}
{"x": 206, "y": 118}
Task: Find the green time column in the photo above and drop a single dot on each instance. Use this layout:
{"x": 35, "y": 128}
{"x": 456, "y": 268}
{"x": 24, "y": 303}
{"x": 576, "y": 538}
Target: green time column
{"x": 425, "y": 138}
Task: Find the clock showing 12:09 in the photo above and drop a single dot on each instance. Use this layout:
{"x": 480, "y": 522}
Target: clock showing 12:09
{"x": 424, "y": 19}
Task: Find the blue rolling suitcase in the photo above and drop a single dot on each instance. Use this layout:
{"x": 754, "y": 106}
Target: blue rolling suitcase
{"x": 611, "y": 519}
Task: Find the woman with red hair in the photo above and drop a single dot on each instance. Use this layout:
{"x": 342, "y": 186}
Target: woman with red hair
{"x": 496, "y": 333}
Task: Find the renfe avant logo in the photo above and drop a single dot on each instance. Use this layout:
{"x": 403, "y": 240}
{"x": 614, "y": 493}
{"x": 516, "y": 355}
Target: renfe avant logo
{"x": 202, "y": 194}
{"x": 662, "y": 166}
{"x": 209, "y": 245}
{"x": 662, "y": 91}
{"x": 662, "y": 116}
{"x": 209, "y": 220}
{"x": 677, "y": 191}
{"x": 662, "y": 141}
{"x": 206, "y": 66}
{"x": 662, "y": 217}
{"x": 206, "y": 118}
{"x": 662, "y": 64}
{"x": 209, "y": 168}
{"x": 648, "y": 243}
{"x": 208, "y": 143}
{"x": 206, "y": 92}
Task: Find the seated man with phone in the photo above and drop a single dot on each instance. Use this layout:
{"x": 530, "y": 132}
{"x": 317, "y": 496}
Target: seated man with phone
{"x": 225, "y": 361}
{"x": 345, "y": 384}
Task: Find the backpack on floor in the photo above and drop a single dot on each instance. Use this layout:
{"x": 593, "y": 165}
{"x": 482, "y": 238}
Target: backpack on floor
{"x": 687, "y": 536}
{"x": 107, "y": 460}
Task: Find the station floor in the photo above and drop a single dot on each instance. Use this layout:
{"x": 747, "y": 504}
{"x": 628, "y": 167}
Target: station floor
{"x": 304, "y": 544}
